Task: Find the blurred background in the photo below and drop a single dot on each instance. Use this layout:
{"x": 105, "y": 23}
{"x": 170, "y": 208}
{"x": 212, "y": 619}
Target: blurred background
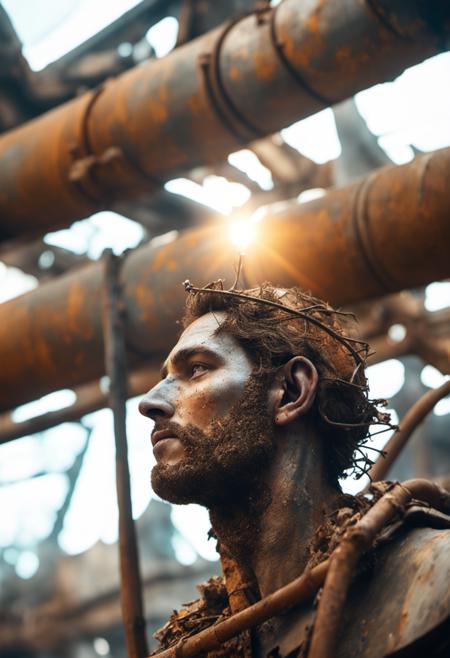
{"x": 58, "y": 529}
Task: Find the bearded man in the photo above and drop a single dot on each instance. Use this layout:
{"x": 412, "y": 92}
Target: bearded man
{"x": 261, "y": 409}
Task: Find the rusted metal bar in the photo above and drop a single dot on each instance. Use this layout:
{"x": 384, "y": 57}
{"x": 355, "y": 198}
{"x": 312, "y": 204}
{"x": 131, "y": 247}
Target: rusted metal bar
{"x": 115, "y": 360}
{"x": 384, "y": 234}
{"x": 358, "y": 539}
{"x": 239, "y": 82}
{"x": 409, "y": 423}
{"x": 89, "y": 397}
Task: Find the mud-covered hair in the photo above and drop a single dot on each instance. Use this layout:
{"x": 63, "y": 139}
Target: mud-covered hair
{"x": 273, "y": 325}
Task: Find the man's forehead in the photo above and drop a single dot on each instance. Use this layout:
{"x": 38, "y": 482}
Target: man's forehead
{"x": 202, "y": 332}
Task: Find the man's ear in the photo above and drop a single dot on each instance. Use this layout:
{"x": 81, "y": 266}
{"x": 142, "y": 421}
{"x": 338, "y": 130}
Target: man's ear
{"x": 294, "y": 390}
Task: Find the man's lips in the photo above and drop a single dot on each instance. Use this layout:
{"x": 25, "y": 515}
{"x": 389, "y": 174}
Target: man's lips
{"x": 159, "y": 435}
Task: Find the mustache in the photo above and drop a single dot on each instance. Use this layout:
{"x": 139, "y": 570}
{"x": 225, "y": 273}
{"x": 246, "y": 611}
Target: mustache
{"x": 161, "y": 424}
{"x": 188, "y": 435}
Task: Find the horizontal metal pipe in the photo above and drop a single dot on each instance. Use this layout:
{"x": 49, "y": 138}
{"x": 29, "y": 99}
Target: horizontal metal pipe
{"x": 242, "y": 81}
{"x": 384, "y": 234}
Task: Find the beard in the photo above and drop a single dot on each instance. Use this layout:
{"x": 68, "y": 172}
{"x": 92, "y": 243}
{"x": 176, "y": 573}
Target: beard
{"x": 225, "y": 463}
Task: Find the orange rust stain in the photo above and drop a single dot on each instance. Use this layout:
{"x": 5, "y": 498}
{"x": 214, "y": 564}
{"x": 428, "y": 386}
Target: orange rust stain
{"x": 76, "y": 302}
{"x": 313, "y": 23}
{"x": 171, "y": 265}
{"x": 145, "y": 300}
{"x": 343, "y": 53}
{"x": 158, "y": 261}
{"x": 264, "y": 67}
{"x": 196, "y": 105}
{"x": 162, "y": 259}
{"x": 234, "y": 72}
{"x": 157, "y": 111}
{"x": 163, "y": 93}
{"x": 192, "y": 240}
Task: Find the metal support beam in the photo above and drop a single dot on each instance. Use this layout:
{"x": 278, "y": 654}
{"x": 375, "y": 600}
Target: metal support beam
{"x": 116, "y": 368}
{"x": 386, "y": 233}
{"x": 235, "y": 84}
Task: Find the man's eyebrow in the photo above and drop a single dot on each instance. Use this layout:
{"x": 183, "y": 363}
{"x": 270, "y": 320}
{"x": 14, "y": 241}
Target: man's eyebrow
{"x": 186, "y": 353}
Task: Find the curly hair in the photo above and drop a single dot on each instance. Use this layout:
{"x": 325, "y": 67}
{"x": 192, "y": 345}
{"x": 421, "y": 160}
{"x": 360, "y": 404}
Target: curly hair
{"x": 273, "y": 325}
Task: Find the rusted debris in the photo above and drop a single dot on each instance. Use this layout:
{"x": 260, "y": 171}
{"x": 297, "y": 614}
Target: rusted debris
{"x": 409, "y": 423}
{"x": 115, "y": 360}
{"x": 336, "y": 572}
{"x": 357, "y": 540}
{"x": 299, "y": 590}
{"x": 354, "y": 243}
{"x": 235, "y": 84}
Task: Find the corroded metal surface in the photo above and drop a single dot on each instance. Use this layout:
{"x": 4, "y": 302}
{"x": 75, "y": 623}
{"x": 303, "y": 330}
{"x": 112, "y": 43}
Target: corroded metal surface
{"x": 384, "y": 234}
{"x": 205, "y": 99}
{"x": 406, "y": 613}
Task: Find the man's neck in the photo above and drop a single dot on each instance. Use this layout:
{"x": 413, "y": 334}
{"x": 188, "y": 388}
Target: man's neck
{"x": 268, "y": 532}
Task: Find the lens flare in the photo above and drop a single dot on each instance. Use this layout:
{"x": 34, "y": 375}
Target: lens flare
{"x": 242, "y": 233}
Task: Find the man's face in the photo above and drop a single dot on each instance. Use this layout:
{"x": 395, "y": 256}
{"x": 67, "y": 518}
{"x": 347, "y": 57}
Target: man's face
{"x": 211, "y": 429}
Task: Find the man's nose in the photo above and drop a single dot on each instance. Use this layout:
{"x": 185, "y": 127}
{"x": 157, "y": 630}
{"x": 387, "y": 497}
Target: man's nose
{"x": 155, "y": 404}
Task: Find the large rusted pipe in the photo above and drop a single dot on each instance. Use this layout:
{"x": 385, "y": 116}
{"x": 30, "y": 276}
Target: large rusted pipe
{"x": 207, "y": 98}
{"x": 384, "y": 234}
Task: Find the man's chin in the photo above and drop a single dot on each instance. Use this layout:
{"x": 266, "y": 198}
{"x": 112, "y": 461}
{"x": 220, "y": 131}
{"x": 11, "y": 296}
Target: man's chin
{"x": 180, "y": 484}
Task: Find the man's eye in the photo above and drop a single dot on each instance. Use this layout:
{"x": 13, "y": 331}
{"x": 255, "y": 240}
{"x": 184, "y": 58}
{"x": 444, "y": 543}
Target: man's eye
{"x": 198, "y": 369}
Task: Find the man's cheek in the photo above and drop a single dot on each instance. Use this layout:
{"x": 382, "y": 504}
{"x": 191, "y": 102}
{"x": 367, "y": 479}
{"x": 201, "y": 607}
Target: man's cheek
{"x": 201, "y": 402}
{"x": 221, "y": 394}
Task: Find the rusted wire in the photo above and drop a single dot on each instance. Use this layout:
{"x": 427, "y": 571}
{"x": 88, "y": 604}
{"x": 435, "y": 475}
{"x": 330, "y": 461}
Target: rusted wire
{"x": 355, "y": 542}
{"x": 414, "y": 416}
{"x": 115, "y": 362}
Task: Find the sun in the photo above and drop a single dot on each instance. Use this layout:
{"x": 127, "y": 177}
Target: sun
{"x": 242, "y": 233}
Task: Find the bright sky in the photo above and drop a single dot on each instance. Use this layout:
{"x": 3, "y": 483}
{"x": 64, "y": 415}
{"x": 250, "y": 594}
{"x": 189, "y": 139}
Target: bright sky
{"x": 411, "y": 111}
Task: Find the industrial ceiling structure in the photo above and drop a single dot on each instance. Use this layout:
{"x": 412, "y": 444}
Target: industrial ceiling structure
{"x": 105, "y": 128}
